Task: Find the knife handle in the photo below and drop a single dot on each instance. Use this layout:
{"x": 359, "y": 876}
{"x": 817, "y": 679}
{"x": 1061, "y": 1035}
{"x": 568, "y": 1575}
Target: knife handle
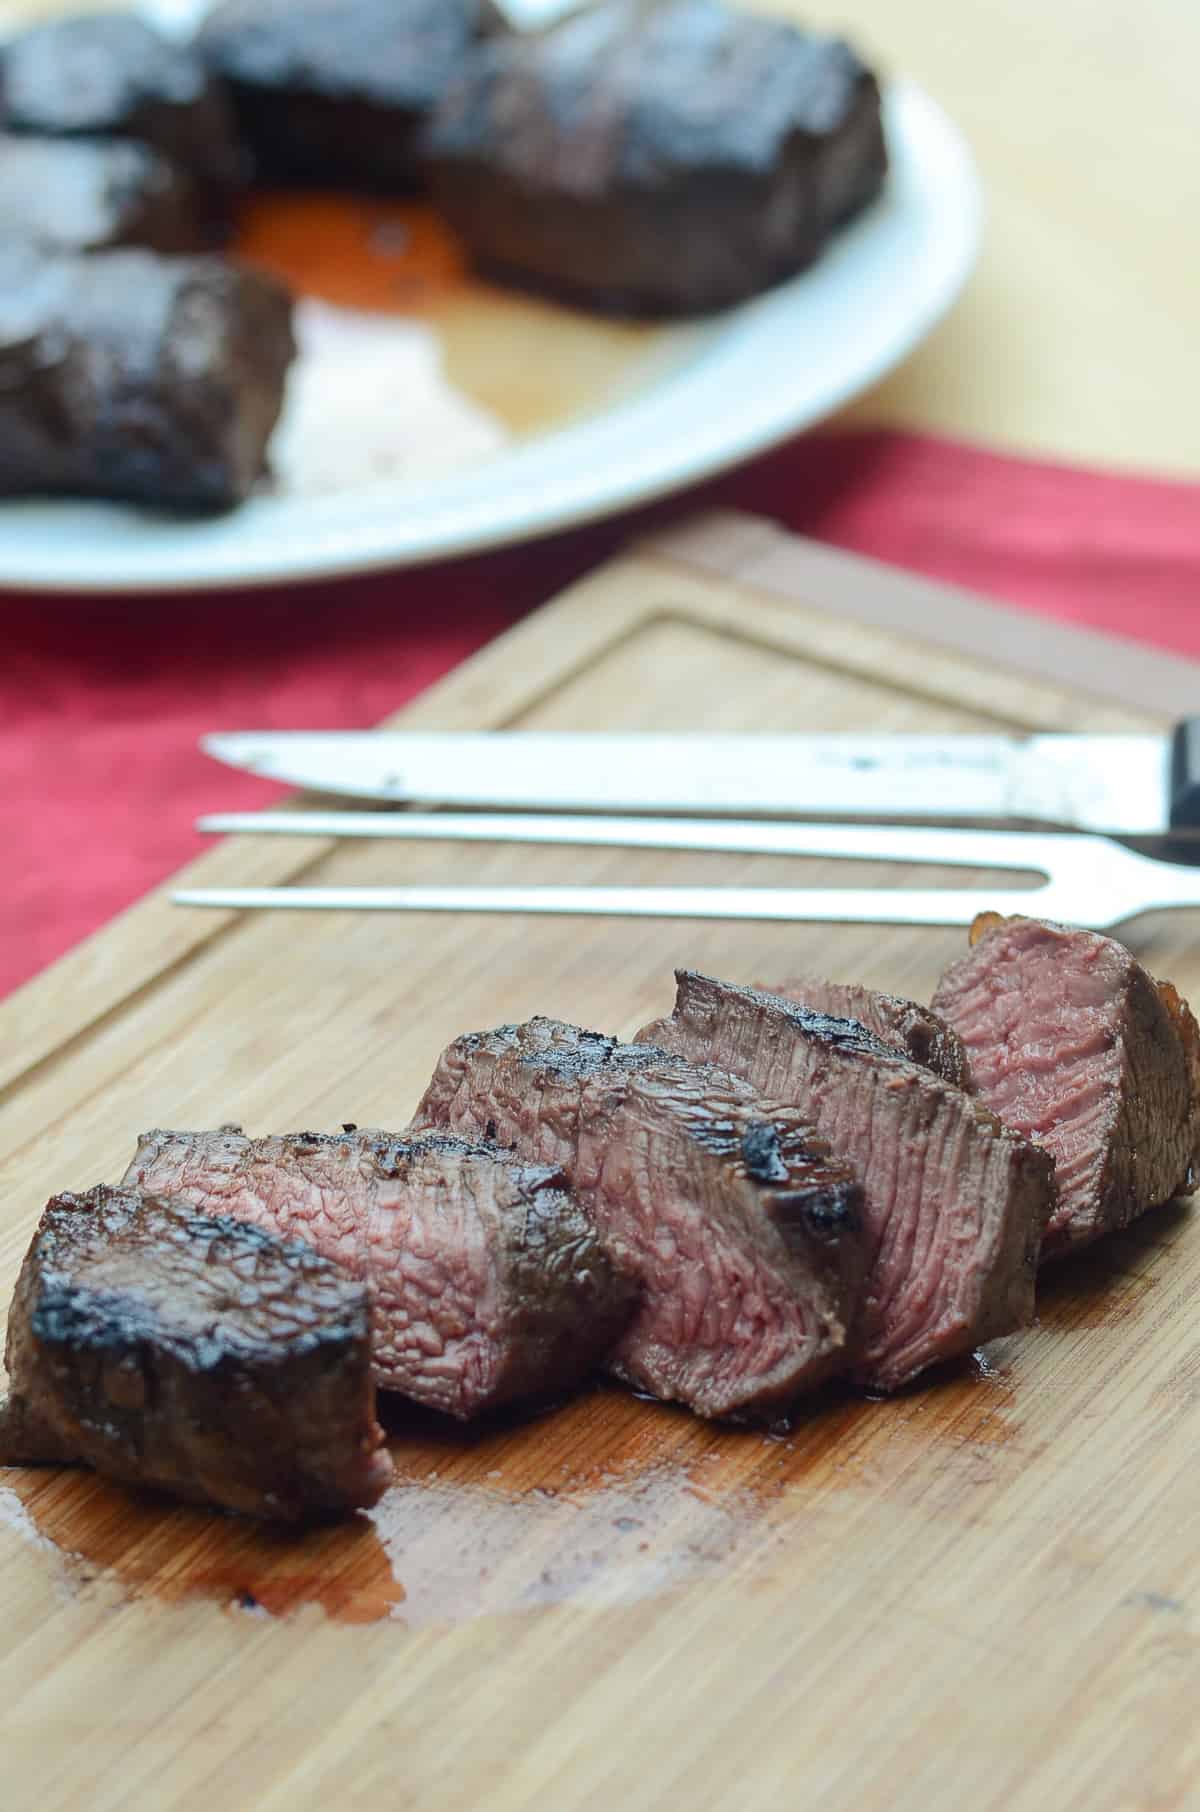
{"x": 1183, "y": 797}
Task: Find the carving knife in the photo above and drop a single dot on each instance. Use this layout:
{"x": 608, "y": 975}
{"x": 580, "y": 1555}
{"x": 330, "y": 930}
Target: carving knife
{"x": 1125, "y": 785}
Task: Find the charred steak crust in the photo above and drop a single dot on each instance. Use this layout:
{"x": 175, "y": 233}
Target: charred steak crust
{"x": 86, "y": 196}
{"x": 336, "y": 91}
{"x": 127, "y": 375}
{"x": 1077, "y": 1047}
{"x": 491, "y": 1284}
{"x": 913, "y": 1030}
{"x": 1183, "y": 1022}
{"x": 656, "y": 159}
{"x": 955, "y": 1204}
{"x": 112, "y": 75}
{"x": 194, "y": 1355}
{"x": 741, "y": 1228}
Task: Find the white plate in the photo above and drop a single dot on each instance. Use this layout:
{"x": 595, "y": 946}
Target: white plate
{"x": 742, "y": 382}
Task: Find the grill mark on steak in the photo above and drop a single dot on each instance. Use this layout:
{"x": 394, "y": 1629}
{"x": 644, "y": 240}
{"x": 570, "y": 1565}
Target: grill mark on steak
{"x": 748, "y": 1285}
{"x": 955, "y": 1204}
{"x": 761, "y": 1154}
{"x": 194, "y": 1355}
{"x": 1076, "y": 1046}
{"x": 491, "y": 1284}
{"x": 913, "y": 1030}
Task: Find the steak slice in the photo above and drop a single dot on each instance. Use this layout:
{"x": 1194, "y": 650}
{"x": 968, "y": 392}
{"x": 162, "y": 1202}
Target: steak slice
{"x": 655, "y": 158}
{"x": 955, "y": 1203}
{"x": 200, "y": 1357}
{"x": 1073, "y": 1044}
{"x": 490, "y": 1283}
{"x": 741, "y": 1228}
{"x": 905, "y": 1025}
{"x": 123, "y": 374}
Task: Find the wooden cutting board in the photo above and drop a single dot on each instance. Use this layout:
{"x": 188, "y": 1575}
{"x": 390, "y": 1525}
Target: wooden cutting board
{"x": 986, "y": 1592}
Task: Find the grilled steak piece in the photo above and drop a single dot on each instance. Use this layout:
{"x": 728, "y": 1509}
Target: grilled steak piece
{"x": 85, "y": 196}
{"x": 741, "y": 1228}
{"x": 123, "y": 374}
{"x": 955, "y": 1203}
{"x": 1074, "y": 1045}
{"x": 905, "y": 1025}
{"x": 111, "y": 75}
{"x": 489, "y": 1281}
{"x": 334, "y": 91}
{"x": 656, "y": 159}
{"x": 200, "y": 1357}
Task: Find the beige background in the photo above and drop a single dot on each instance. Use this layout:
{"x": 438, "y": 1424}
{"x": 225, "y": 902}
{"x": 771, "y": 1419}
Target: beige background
{"x": 1077, "y": 336}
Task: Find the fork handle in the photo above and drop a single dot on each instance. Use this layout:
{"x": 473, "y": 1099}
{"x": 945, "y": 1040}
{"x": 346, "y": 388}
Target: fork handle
{"x": 1184, "y": 797}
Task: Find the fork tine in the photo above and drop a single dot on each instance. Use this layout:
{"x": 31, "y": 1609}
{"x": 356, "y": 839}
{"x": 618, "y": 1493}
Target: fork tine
{"x": 1091, "y": 880}
{"x": 865, "y": 905}
{"x": 1019, "y": 850}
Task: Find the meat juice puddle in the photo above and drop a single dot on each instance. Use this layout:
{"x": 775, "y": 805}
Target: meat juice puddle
{"x": 603, "y": 1502}
{"x": 409, "y": 365}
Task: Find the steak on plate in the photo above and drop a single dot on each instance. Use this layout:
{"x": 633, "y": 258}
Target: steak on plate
{"x": 913, "y": 1030}
{"x": 741, "y": 1228}
{"x": 489, "y": 1281}
{"x": 955, "y": 1203}
{"x": 112, "y": 75}
{"x": 1073, "y": 1044}
{"x": 334, "y": 92}
{"x": 86, "y": 196}
{"x": 197, "y": 1356}
{"x": 656, "y": 159}
{"x": 123, "y": 374}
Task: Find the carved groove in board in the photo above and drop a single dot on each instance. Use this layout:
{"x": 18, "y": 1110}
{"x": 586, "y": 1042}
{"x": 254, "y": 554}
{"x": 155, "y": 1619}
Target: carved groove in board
{"x": 758, "y": 553}
{"x": 1038, "y": 703}
{"x": 225, "y": 926}
{"x": 841, "y": 667}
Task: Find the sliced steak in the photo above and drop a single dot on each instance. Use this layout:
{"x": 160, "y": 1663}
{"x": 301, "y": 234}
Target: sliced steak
{"x": 123, "y": 374}
{"x": 905, "y": 1025}
{"x": 335, "y": 91}
{"x": 656, "y": 158}
{"x": 955, "y": 1203}
{"x": 490, "y": 1283}
{"x": 197, "y": 1356}
{"x": 741, "y": 1228}
{"x": 87, "y": 196}
{"x": 1073, "y": 1044}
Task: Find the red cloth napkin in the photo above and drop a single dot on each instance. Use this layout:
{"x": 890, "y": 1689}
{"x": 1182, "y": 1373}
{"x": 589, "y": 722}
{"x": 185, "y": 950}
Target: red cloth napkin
{"x": 102, "y": 702}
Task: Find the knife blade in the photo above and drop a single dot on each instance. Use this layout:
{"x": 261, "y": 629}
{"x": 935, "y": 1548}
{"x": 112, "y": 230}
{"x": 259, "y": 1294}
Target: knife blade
{"x": 1132, "y": 785}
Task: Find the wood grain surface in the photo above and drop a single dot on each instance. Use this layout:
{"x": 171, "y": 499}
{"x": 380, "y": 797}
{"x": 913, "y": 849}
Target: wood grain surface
{"x": 1076, "y": 336}
{"x": 984, "y": 1592}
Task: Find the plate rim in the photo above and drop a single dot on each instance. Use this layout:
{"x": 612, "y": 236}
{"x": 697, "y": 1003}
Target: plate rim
{"x": 355, "y": 533}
